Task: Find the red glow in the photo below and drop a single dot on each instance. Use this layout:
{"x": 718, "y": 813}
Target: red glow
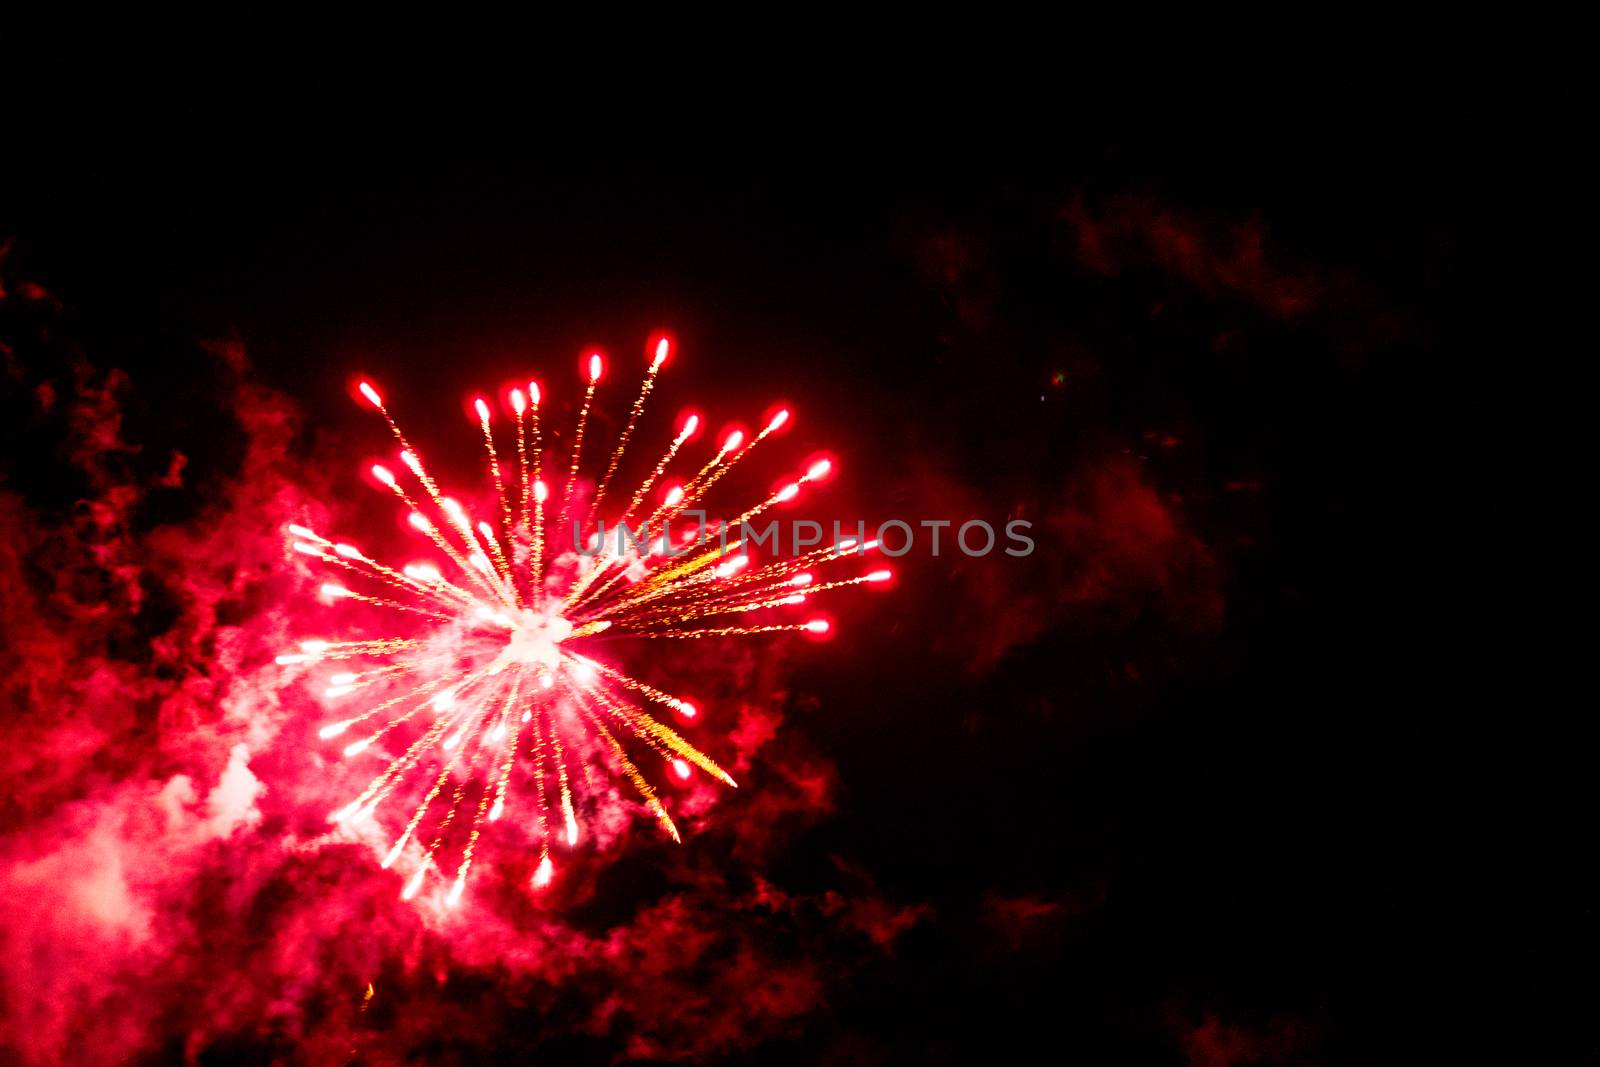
{"x": 777, "y": 416}
{"x": 819, "y": 467}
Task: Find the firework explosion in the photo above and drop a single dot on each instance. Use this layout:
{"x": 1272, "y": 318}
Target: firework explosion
{"x": 491, "y": 676}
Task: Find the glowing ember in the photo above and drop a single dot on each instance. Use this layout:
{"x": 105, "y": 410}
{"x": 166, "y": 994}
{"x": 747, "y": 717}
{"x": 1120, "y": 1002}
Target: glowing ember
{"x": 501, "y": 665}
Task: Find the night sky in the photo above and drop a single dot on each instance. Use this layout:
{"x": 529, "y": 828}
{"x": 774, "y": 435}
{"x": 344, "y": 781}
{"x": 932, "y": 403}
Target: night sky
{"x": 1139, "y": 797}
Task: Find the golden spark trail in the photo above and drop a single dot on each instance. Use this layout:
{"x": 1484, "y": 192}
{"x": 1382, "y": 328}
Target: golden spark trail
{"x": 627, "y": 432}
{"x": 510, "y": 749}
{"x": 494, "y": 468}
{"x": 538, "y": 781}
{"x": 633, "y": 775}
{"x": 421, "y": 522}
{"x": 688, "y": 430}
{"x": 577, "y": 437}
{"x": 640, "y": 723}
{"x": 566, "y": 790}
{"x": 519, "y": 405}
{"x": 734, "y": 631}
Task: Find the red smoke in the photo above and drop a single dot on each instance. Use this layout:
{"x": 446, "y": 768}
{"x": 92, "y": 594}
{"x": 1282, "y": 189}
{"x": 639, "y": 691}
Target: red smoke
{"x": 1130, "y": 231}
{"x": 1109, "y": 549}
{"x": 173, "y": 889}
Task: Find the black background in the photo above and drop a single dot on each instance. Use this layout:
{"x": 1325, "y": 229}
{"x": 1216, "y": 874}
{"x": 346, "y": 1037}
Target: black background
{"x": 1232, "y": 821}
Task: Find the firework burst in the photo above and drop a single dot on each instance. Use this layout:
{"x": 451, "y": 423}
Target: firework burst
{"x": 496, "y": 695}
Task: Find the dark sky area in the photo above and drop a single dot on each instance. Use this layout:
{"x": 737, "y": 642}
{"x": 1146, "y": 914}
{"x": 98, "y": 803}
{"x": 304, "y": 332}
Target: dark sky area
{"x": 1142, "y": 796}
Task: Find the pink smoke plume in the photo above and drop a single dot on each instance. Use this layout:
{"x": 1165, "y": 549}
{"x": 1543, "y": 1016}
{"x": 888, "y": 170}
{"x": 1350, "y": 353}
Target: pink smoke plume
{"x": 172, "y": 886}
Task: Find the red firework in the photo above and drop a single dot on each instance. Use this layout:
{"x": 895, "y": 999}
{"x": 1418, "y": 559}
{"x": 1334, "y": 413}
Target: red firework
{"x": 490, "y": 668}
